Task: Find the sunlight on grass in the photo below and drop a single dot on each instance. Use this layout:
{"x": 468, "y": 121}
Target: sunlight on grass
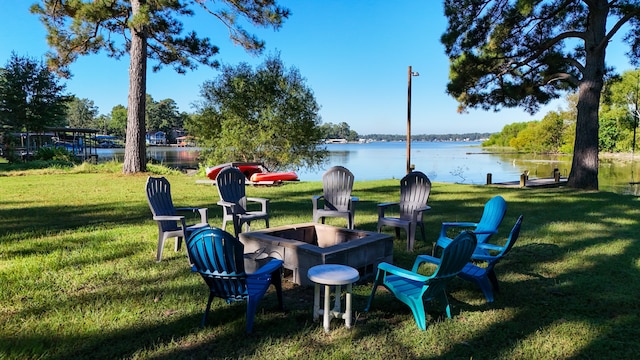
{"x": 560, "y": 340}
{"x": 78, "y": 271}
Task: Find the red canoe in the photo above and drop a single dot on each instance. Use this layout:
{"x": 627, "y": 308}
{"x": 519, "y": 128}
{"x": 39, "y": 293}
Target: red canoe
{"x": 255, "y": 172}
{"x": 247, "y": 169}
{"x": 274, "y": 176}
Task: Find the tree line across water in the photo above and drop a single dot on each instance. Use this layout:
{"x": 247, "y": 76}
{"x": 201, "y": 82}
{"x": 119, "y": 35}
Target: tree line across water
{"x": 429, "y": 137}
{"x": 230, "y": 123}
{"x": 221, "y": 118}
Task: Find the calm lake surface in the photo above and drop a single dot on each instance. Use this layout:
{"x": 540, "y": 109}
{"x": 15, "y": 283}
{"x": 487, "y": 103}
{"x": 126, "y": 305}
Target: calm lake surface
{"x": 453, "y": 162}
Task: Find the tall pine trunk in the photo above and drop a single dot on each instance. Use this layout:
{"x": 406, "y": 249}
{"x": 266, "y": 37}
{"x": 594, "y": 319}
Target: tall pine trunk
{"x": 584, "y": 167}
{"x": 135, "y": 147}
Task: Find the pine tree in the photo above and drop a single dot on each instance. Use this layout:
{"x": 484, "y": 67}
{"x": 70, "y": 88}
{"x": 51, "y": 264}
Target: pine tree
{"x": 151, "y": 30}
{"x": 523, "y": 53}
{"x": 31, "y": 97}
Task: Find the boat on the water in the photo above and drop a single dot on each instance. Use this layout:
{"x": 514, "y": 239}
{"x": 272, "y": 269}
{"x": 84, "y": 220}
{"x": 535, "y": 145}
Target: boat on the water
{"x": 255, "y": 172}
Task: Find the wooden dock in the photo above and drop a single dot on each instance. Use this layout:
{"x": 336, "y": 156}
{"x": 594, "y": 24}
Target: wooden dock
{"x": 533, "y": 183}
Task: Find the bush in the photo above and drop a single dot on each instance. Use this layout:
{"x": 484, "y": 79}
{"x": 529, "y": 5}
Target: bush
{"x": 55, "y": 154}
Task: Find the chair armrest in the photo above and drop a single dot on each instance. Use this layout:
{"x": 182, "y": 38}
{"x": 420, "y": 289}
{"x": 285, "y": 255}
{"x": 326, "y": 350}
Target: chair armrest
{"x": 447, "y": 225}
{"x": 392, "y": 269}
{"x": 387, "y": 204}
{"x": 204, "y": 212}
{"x": 352, "y": 203}
{"x": 384, "y": 206}
{"x": 168, "y": 218}
{"x": 483, "y": 257}
{"x": 442, "y": 241}
{"x": 459, "y": 223}
{"x": 486, "y": 246}
{"x": 418, "y": 212}
{"x": 204, "y": 215}
{"x": 481, "y": 252}
{"x": 423, "y": 259}
{"x": 232, "y": 206}
{"x": 192, "y": 209}
{"x": 264, "y": 203}
{"x": 179, "y": 218}
{"x": 267, "y": 269}
{"x": 315, "y": 199}
{"x": 485, "y": 231}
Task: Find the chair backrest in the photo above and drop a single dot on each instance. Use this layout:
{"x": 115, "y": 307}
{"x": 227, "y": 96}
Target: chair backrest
{"x": 159, "y": 196}
{"x": 231, "y": 186}
{"x": 219, "y": 257}
{"x": 415, "y": 188}
{"x": 513, "y": 236}
{"x": 160, "y": 202}
{"x": 456, "y": 255}
{"x": 492, "y": 215}
{"x": 337, "y": 183}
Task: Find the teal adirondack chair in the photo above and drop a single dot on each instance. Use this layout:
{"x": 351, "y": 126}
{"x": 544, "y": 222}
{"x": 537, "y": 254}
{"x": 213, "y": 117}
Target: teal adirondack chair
{"x": 492, "y": 215}
{"x": 414, "y": 289}
{"x": 219, "y": 258}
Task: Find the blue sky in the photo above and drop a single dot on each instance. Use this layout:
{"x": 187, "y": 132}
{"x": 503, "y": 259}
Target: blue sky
{"x": 353, "y": 53}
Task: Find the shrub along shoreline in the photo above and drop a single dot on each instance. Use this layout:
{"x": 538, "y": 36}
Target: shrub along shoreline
{"x": 78, "y": 277}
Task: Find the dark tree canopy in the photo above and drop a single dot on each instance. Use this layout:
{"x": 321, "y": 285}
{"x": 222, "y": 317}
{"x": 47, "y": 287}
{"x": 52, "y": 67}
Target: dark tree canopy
{"x": 338, "y": 131}
{"x": 81, "y": 113}
{"x": 146, "y": 29}
{"x": 118, "y": 123}
{"x": 163, "y": 115}
{"x": 524, "y": 53}
{"x": 31, "y": 97}
{"x": 267, "y": 115}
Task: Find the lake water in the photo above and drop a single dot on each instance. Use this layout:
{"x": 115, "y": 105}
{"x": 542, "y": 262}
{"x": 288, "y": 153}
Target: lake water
{"x": 453, "y": 162}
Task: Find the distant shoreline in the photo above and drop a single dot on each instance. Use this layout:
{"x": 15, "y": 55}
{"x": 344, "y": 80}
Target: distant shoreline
{"x": 622, "y": 156}
{"x": 619, "y": 156}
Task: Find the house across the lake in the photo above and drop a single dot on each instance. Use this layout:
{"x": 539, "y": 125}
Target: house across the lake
{"x": 156, "y": 138}
{"x": 335, "y": 141}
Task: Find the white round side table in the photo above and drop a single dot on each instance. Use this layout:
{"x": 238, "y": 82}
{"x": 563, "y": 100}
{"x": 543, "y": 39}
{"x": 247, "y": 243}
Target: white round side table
{"x": 332, "y": 275}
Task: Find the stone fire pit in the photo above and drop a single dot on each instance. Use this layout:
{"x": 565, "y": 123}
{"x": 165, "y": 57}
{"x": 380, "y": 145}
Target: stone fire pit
{"x": 302, "y": 246}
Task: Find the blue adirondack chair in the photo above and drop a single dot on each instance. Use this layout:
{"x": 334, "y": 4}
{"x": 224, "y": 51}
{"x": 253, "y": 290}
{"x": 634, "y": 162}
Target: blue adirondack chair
{"x": 218, "y": 257}
{"x": 414, "y": 289}
{"x": 485, "y": 277}
{"x": 492, "y": 215}
{"x": 336, "y": 200}
{"x": 415, "y": 188}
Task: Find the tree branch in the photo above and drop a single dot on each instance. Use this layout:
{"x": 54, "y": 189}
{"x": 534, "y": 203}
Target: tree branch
{"x": 623, "y": 20}
{"x": 563, "y": 76}
{"x": 224, "y": 21}
{"x": 544, "y": 47}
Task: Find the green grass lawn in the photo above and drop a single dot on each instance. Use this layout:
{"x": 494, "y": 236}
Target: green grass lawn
{"x": 78, "y": 278}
